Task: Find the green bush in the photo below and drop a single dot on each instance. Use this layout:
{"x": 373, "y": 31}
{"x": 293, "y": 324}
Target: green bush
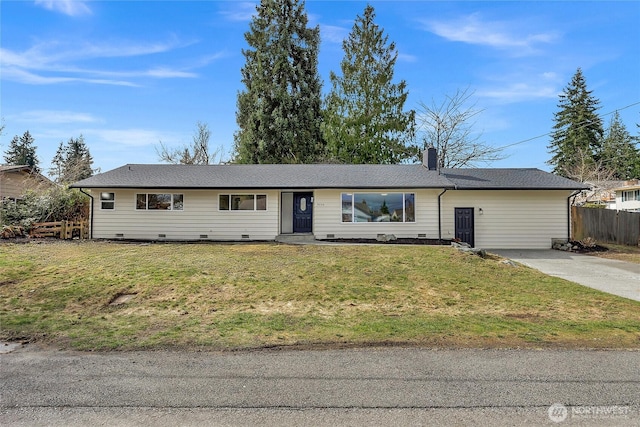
{"x": 54, "y": 204}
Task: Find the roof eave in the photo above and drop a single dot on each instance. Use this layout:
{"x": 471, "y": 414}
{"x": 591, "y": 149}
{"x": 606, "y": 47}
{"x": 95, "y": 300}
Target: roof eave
{"x": 521, "y": 188}
{"x": 244, "y": 187}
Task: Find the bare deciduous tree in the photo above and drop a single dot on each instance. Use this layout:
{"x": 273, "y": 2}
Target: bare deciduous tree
{"x": 587, "y": 170}
{"x": 196, "y": 154}
{"x": 599, "y": 178}
{"x": 448, "y": 127}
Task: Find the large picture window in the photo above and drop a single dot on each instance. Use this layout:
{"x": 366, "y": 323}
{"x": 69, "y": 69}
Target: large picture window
{"x": 378, "y": 207}
{"x": 160, "y": 201}
{"x": 243, "y": 202}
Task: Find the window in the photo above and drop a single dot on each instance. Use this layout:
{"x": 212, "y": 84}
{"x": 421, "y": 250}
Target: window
{"x": 107, "y": 201}
{"x": 160, "y": 202}
{"x": 243, "y": 202}
{"x": 378, "y": 207}
{"x": 630, "y": 195}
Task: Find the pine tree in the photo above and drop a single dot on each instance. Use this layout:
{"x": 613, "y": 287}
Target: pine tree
{"x": 279, "y": 112}
{"x": 72, "y": 162}
{"x": 578, "y": 128}
{"x": 22, "y": 151}
{"x": 364, "y": 118}
{"x": 619, "y": 151}
{"x": 57, "y": 163}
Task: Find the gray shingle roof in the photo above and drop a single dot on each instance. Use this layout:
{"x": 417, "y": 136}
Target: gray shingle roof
{"x": 508, "y": 179}
{"x": 12, "y": 168}
{"x": 320, "y": 176}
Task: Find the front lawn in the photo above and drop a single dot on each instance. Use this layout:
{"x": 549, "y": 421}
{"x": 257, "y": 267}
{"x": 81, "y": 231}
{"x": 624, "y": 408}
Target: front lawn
{"x": 105, "y": 295}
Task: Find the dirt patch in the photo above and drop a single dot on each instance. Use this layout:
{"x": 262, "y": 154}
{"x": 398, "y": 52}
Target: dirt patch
{"x": 8, "y": 282}
{"x": 121, "y": 298}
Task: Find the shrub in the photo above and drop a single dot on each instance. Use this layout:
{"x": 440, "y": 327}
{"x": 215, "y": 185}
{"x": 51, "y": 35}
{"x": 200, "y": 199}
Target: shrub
{"x": 54, "y": 204}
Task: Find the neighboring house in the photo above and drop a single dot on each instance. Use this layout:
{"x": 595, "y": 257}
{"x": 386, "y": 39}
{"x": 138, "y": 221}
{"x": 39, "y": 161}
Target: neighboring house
{"x": 599, "y": 193}
{"x": 628, "y": 196}
{"x": 490, "y": 208}
{"x": 16, "y": 181}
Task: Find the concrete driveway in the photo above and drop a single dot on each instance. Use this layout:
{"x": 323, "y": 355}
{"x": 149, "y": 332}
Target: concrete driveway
{"x": 611, "y": 276}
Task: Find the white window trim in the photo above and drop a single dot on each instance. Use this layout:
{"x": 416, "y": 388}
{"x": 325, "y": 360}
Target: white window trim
{"x": 102, "y": 201}
{"x": 404, "y": 213}
{"x": 146, "y": 208}
{"x": 255, "y": 202}
{"x": 630, "y": 195}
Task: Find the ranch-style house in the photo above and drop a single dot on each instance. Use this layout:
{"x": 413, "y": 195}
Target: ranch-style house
{"x": 488, "y": 208}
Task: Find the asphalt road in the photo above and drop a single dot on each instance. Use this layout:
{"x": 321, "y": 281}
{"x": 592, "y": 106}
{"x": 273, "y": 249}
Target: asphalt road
{"x": 385, "y": 386}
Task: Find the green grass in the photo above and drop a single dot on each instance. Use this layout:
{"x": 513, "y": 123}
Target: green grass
{"x": 237, "y": 296}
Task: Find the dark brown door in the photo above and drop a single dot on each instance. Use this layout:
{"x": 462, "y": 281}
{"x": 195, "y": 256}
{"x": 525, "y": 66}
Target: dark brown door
{"x": 464, "y": 225}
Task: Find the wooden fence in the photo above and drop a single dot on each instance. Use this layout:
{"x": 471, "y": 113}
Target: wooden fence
{"x": 62, "y": 230}
{"x": 606, "y": 225}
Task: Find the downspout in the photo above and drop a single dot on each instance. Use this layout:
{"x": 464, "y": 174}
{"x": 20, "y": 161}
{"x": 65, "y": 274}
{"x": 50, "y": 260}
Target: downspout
{"x": 440, "y": 216}
{"x": 90, "y": 213}
{"x": 569, "y": 204}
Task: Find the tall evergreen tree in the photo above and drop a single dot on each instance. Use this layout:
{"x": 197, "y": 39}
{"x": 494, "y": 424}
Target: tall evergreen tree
{"x": 578, "y": 128}
{"x": 619, "y": 151}
{"x": 279, "y": 112}
{"x": 22, "y": 151}
{"x": 72, "y": 162}
{"x": 364, "y": 118}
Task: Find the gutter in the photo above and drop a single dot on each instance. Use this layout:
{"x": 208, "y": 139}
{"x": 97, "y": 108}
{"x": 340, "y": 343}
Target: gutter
{"x": 90, "y": 212}
{"x": 569, "y": 204}
{"x": 440, "y": 215}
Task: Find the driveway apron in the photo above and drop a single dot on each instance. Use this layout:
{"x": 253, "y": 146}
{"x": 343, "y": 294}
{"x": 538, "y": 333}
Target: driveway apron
{"x": 611, "y": 276}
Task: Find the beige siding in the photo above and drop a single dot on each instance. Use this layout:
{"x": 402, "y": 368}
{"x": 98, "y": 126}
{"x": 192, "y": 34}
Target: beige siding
{"x": 510, "y": 219}
{"x": 16, "y": 184}
{"x": 327, "y": 217}
{"x": 200, "y": 216}
{"x": 11, "y": 185}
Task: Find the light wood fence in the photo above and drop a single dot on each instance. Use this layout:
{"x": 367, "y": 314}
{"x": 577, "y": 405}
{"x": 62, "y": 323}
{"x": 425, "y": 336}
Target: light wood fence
{"x": 62, "y": 229}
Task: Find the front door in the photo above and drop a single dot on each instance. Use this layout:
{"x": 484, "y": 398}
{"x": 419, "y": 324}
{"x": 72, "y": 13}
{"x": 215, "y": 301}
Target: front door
{"x": 302, "y": 212}
{"x": 464, "y": 225}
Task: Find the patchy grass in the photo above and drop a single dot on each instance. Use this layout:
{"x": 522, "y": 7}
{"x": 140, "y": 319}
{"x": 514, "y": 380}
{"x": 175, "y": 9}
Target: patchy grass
{"x": 235, "y": 296}
{"x": 619, "y": 252}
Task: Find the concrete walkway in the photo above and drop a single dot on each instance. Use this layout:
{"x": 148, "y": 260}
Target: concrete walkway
{"x": 611, "y": 276}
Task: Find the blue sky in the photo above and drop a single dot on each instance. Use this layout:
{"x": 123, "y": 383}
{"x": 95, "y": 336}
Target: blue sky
{"x": 129, "y": 74}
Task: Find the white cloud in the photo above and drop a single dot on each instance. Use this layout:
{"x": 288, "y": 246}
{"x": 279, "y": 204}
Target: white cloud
{"x": 333, "y": 33}
{"x": 405, "y": 57}
{"x": 27, "y": 77}
{"x": 67, "y": 7}
{"x": 53, "y": 117}
{"x": 55, "y": 62}
{"x": 496, "y": 34}
{"x": 239, "y": 11}
{"x": 131, "y": 137}
{"x": 516, "y": 92}
{"x": 522, "y": 86}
